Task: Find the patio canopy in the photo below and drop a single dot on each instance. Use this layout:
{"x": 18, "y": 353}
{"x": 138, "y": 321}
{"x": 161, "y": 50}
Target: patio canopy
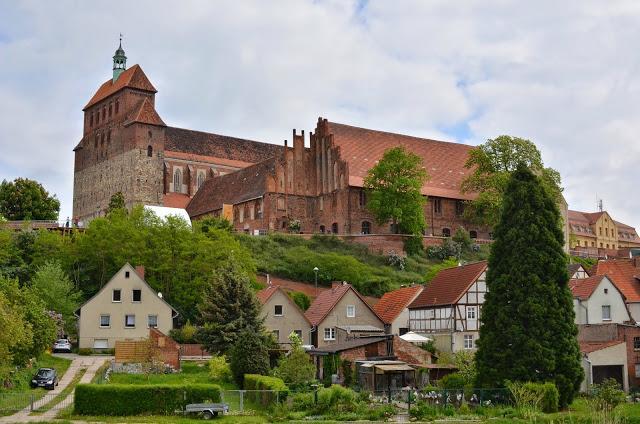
{"x": 394, "y": 367}
{"x": 414, "y": 337}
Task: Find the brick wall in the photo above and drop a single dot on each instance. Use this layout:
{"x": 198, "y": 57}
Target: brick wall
{"x": 410, "y": 353}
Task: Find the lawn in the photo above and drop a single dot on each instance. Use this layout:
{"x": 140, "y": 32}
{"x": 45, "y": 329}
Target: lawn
{"x": 192, "y": 373}
{"x": 19, "y": 396}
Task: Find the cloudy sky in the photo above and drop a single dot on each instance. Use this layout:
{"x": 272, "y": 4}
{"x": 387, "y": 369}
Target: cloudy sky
{"x": 565, "y": 75}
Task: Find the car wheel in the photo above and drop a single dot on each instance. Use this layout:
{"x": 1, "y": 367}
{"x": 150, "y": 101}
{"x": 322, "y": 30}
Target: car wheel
{"x": 207, "y": 415}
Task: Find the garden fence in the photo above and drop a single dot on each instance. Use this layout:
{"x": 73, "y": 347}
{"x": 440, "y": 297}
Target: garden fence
{"x": 11, "y": 403}
{"x": 404, "y": 398}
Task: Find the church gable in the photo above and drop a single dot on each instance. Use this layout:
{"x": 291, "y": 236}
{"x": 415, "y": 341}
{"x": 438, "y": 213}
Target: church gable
{"x": 133, "y": 77}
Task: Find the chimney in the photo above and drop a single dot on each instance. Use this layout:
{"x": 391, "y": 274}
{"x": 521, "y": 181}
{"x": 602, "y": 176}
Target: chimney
{"x": 140, "y": 271}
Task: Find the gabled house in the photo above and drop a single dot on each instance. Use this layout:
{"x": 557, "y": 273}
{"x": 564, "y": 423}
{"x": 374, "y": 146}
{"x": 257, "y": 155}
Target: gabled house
{"x": 124, "y": 309}
{"x": 596, "y": 300}
{"x": 282, "y": 316}
{"x": 604, "y": 360}
{"x": 577, "y": 271}
{"x": 450, "y": 307}
{"x": 625, "y": 274}
{"x": 342, "y": 314}
{"x": 393, "y": 308}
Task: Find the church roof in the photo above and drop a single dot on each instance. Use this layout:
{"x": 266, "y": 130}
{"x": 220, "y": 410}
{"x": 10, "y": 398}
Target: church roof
{"x": 236, "y": 187}
{"x": 220, "y": 146}
{"x": 362, "y": 148}
{"x": 133, "y": 77}
{"x": 145, "y": 113}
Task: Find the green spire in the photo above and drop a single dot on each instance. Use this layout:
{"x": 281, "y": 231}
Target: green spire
{"x": 119, "y": 61}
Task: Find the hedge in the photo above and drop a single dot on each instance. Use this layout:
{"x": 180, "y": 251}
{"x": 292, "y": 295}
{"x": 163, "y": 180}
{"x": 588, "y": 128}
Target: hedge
{"x": 130, "y": 399}
{"x": 263, "y": 382}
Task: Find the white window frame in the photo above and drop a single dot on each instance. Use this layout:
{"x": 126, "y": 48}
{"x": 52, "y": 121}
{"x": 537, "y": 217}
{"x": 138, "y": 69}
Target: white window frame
{"x": 275, "y": 314}
{"x": 108, "y": 321}
{"x": 351, "y": 311}
{"x": 113, "y": 297}
{"x": 149, "y": 321}
{"x": 329, "y": 333}
{"x": 468, "y": 341}
{"x": 608, "y": 309}
{"x": 126, "y": 321}
{"x": 472, "y": 312}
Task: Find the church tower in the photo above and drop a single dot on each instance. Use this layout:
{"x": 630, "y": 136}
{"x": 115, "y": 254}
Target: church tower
{"x": 119, "y": 61}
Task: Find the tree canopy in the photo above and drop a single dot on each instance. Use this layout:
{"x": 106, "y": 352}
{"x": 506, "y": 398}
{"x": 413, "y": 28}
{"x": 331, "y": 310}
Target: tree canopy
{"x": 116, "y": 202}
{"x": 493, "y": 163}
{"x": 25, "y": 199}
{"x": 528, "y": 331}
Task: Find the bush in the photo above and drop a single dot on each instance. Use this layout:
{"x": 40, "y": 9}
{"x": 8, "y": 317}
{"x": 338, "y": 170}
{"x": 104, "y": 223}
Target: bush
{"x": 127, "y": 399}
{"x": 186, "y": 334}
{"x": 533, "y": 397}
{"x": 248, "y": 354}
{"x": 453, "y": 381}
{"x": 219, "y": 369}
{"x": 607, "y": 395}
{"x": 336, "y": 399}
{"x": 85, "y": 351}
{"x": 303, "y": 401}
{"x": 300, "y": 299}
{"x": 278, "y": 390}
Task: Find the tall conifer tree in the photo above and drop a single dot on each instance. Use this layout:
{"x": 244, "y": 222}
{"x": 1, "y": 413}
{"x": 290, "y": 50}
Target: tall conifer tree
{"x": 528, "y": 331}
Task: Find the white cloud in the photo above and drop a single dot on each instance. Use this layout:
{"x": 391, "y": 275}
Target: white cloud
{"x": 564, "y": 74}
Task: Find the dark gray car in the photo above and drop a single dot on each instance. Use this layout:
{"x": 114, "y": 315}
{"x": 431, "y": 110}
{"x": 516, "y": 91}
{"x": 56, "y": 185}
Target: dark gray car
{"x": 45, "y": 377}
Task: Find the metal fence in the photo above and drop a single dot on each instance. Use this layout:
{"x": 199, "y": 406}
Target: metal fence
{"x": 32, "y": 402}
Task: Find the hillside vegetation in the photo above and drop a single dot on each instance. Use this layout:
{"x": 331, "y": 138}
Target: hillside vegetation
{"x": 294, "y": 257}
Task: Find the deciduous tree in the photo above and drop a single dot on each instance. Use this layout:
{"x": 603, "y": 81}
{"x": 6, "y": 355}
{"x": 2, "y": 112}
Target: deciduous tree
{"x": 116, "y": 203}
{"x": 493, "y": 163}
{"x": 25, "y": 199}
{"x": 528, "y": 331}
{"x": 296, "y": 369}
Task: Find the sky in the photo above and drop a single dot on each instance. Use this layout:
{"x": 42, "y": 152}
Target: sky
{"x": 565, "y": 75}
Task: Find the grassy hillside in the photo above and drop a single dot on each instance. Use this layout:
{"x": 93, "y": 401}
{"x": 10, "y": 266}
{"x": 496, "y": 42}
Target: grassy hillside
{"x": 294, "y": 257}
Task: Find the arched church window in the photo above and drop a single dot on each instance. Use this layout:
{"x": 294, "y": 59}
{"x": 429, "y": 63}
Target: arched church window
{"x": 177, "y": 180}
{"x": 200, "y": 179}
{"x": 150, "y": 151}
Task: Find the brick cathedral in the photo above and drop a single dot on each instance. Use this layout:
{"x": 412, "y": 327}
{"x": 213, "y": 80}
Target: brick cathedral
{"x": 316, "y": 181}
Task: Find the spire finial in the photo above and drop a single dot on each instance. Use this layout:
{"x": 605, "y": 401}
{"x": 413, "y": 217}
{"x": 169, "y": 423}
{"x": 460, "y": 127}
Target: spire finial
{"x": 119, "y": 61}
{"x": 120, "y": 40}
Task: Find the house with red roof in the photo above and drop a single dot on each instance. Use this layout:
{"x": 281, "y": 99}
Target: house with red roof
{"x": 625, "y": 274}
{"x": 393, "y": 308}
{"x": 596, "y": 300}
{"x": 341, "y": 314}
{"x": 449, "y": 308}
{"x": 282, "y": 316}
{"x": 577, "y": 271}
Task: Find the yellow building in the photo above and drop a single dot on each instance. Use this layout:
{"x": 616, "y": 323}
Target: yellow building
{"x": 597, "y": 230}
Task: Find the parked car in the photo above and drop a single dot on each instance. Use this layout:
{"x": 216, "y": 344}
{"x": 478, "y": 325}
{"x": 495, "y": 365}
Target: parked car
{"x": 45, "y": 377}
{"x": 62, "y": 345}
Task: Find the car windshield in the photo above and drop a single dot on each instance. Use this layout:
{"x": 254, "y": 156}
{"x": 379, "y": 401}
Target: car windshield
{"x": 63, "y": 341}
{"x": 45, "y": 373}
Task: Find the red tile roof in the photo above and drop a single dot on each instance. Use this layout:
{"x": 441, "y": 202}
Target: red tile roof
{"x": 175, "y": 200}
{"x": 393, "y": 303}
{"x": 146, "y": 114}
{"x": 623, "y": 274}
{"x": 327, "y": 300}
{"x": 362, "y": 148}
{"x": 588, "y": 347}
{"x": 583, "y": 288}
{"x": 264, "y": 294}
{"x": 133, "y": 77}
{"x": 304, "y": 287}
{"x": 449, "y": 285}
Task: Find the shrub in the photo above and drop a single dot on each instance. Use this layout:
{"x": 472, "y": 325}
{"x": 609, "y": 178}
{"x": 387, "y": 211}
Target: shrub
{"x": 532, "y": 397}
{"x": 336, "y": 399}
{"x": 186, "y": 334}
{"x": 607, "y": 395}
{"x": 249, "y": 354}
{"x": 300, "y": 299}
{"x": 128, "y": 399}
{"x": 296, "y": 369}
{"x": 85, "y": 351}
{"x": 219, "y": 369}
{"x": 277, "y": 388}
{"x": 453, "y": 381}
{"x": 303, "y": 401}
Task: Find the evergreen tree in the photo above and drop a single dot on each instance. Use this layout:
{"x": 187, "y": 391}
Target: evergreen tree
{"x": 228, "y": 307}
{"x": 248, "y": 355}
{"x": 528, "y": 331}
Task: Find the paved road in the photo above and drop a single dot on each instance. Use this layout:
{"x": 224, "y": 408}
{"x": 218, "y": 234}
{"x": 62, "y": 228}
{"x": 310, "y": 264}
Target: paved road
{"x": 90, "y": 363}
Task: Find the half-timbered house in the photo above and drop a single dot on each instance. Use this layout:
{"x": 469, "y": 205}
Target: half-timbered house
{"x": 449, "y": 308}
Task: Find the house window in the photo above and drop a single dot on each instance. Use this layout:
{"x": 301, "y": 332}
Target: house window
{"x": 459, "y": 207}
{"x": 177, "y": 180}
{"x": 600, "y": 229}
{"x": 152, "y": 321}
{"x": 126, "y": 274}
{"x": 276, "y": 334}
{"x": 200, "y": 179}
{"x": 606, "y": 312}
{"x": 100, "y": 343}
{"x": 298, "y": 333}
{"x": 437, "y": 206}
{"x": 473, "y": 234}
{"x": 105, "y": 321}
{"x": 468, "y": 341}
{"x": 129, "y": 321}
{"x": 351, "y": 311}
{"x": 137, "y": 295}
{"x": 334, "y": 228}
{"x": 277, "y": 310}
{"x": 322, "y": 229}
{"x": 116, "y": 295}
{"x": 330, "y": 333}
{"x": 150, "y": 151}
{"x": 636, "y": 343}
{"x": 606, "y": 291}
{"x": 446, "y": 232}
{"x": 366, "y": 227}
{"x": 471, "y": 312}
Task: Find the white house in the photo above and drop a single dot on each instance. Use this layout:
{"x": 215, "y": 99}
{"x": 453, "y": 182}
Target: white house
{"x": 124, "y": 309}
{"x": 596, "y": 300}
{"x": 449, "y": 308}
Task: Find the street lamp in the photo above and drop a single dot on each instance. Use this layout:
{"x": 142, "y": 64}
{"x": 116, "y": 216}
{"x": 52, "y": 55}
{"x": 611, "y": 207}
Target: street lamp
{"x": 315, "y": 269}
